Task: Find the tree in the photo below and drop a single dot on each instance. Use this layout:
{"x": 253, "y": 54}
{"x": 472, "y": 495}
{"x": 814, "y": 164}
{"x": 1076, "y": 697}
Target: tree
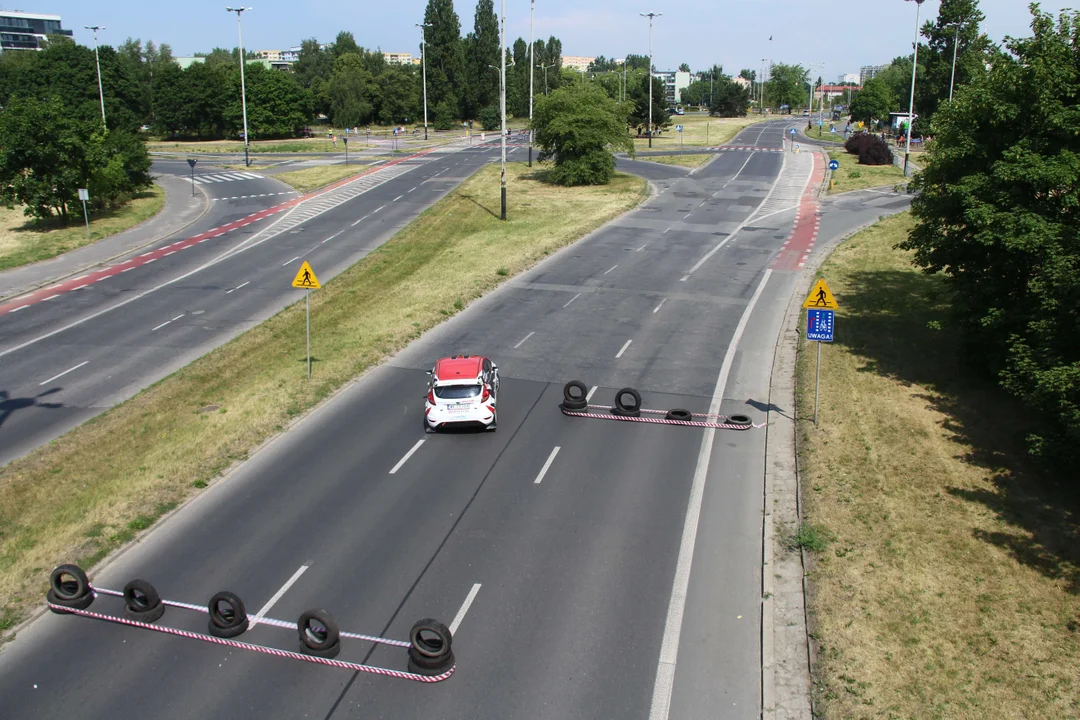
{"x": 344, "y": 44}
{"x": 973, "y": 49}
{"x": 897, "y": 79}
{"x": 578, "y": 127}
{"x": 730, "y": 99}
{"x": 517, "y": 80}
{"x": 873, "y": 102}
{"x": 399, "y": 94}
{"x": 603, "y": 64}
{"x": 684, "y": 68}
{"x": 221, "y": 57}
{"x": 996, "y": 211}
{"x": 445, "y": 57}
{"x": 277, "y": 103}
{"x": 787, "y": 86}
{"x": 312, "y": 63}
{"x": 482, "y": 49}
{"x": 637, "y": 62}
{"x": 747, "y": 74}
{"x": 638, "y": 94}
{"x": 350, "y": 89}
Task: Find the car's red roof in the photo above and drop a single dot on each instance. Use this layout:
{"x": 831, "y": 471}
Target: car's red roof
{"x": 458, "y": 367}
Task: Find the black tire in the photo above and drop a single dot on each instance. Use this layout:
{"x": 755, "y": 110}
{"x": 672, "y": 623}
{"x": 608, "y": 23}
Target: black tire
{"x": 69, "y": 590}
{"x": 679, "y": 414}
{"x": 142, "y": 602}
{"x": 312, "y": 638}
{"x": 427, "y": 428}
{"x": 232, "y": 621}
{"x": 624, "y": 410}
{"x": 572, "y": 401}
{"x": 420, "y": 665}
{"x": 739, "y": 420}
{"x": 430, "y": 638}
{"x": 328, "y": 653}
{"x": 494, "y": 422}
{"x": 80, "y": 604}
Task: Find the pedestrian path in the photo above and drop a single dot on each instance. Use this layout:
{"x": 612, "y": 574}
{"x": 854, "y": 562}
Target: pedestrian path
{"x": 226, "y": 177}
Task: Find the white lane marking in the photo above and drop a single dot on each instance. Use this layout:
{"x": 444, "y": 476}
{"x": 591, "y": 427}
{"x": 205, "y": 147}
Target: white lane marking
{"x": 740, "y": 170}
{"x": 355, "y": 223}
{"x": 684, "y": 278}
{"x": 606, "y": 271}
{"x": 292, "y": 261}
{"x": 147, "y": 262}
{"x": 655, "y": 309}
{"x": 669, "y": 648}
{"x": 408, "y": 455}
{"x": 589, "y": 396}
{"x": 131, "y": 268}
{"x": 54, "y": 377}
{"x": 522, "y": 341}
{"x": 51, "y": 297}
{"x": 277, "y": 596}
{"x": 623, "y": 349}
{"x": 572, "y": 299}
{"x": 79, "y": 288}
{"x": 337, "y": 233}
{"x": 640, "y": 248}
{"x": 686, "y": 216}
{"x": 464, "y": 609}
{"x": 377, "y": 209}
{"x": 168, "y": 321}
{"x": 543, "y": 470}
{"x": 22, "y": 307}
{"x": 395, "y": 199}
{"x": 665, "y": 231}
{"x": 410, "y": 190}
{"x": 237, "y": 287}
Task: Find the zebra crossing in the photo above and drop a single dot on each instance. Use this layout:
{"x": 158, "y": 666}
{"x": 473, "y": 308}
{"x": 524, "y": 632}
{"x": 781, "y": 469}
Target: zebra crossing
{"x": 226, "y": 177}
{"x": 794, "y": 177}
{"x": 743, "y": 148}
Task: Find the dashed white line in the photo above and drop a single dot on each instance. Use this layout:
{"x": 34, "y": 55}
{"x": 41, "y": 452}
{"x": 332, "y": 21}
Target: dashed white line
{"x": 54, "y": 377}
{"x": 655, "y": 309}
{"x": 291, "y": 261}
{"x": 23, "y": 307}
{"x": 665, "y": 231}
{"x": 408, "y": 455}
{"x": 153, "y": 259}
{"x": 611, "y": 268}
{"x": 131, "y": 268}
{"x": 355, "y": 223}
{"x": 543, "y": 470}
{"x": 395, "y": 199}
{"x": 377, "y": 209}
{"x": 589, "y": 396}
{"x": 337, "y": 233}
{"x": 79, "y": 288}
{"x": 238, "y": 287}
{"x": 522, "y": 341}
{"x": 642, "y": 247}
{"x": 623, "y": 349}
{"x": 686, "y": 216}
{"x": 410, "y": 190}
{"x": 167, "y": 322}
{"x": 464, "y": 609}
{"x": 277, "y": 596}
{"x": 572, "y": 299}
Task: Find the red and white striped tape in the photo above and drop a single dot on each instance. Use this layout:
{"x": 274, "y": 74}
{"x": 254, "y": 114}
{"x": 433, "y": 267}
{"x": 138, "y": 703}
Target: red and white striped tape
{"x": 660, "y": 421}
{"x": 661, "y": 412}
{"x": 262, "y": 621}
{"x": 259, "y": 648}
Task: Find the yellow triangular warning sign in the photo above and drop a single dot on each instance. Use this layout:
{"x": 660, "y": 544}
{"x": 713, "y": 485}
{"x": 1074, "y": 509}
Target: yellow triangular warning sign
{"x": 305, "y": 278}
{"x": 821, "y": 297}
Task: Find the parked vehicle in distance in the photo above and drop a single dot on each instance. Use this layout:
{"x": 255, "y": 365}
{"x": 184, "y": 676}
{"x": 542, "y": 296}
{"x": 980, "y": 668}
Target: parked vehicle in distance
{"x": 462, "y": 392}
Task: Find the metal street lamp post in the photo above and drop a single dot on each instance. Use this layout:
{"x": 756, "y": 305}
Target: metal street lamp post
{"x": 423, "y": 63}
{"x": 502, "y": 105}
{"x": 761, "y": 89}
{"x": 532, "y": 63}
{"x": 243, "y": 93}
{"x": 650, "y": 15}
{"x": 911, "y": 100}
{"x": 545, "y": 69}
{"x": 101, "y": 93}
{"x": 956, "y": 43}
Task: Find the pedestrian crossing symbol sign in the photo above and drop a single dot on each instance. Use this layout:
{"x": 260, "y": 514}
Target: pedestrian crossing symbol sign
{"x": 305, "y": 278}
{"x": 821, "y": 297}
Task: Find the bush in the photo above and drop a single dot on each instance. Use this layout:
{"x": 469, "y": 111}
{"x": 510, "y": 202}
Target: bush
{"x": 854, "y": 144}
{"x": 490, "y": 118}
{"x": 592, "y": 168}
{"x": 445, "y": 113}
{"x": 875, "y": 151}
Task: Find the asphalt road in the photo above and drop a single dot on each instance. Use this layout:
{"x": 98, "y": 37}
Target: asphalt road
{"x": 65, "y": 359}
{"x": 618, "y": 576}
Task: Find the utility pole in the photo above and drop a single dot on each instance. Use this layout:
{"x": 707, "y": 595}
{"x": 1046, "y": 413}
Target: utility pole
{"x": 761, "y": 89}
{"x": 956, "y": 42}
{"x": 423, "y": 63}
{"x": 545, "y": 69}
{"x": 243, "y": 94}
{"x": 101, "y": 93}
{"x": 650, "y": 15}
{"x": 532, "y": 62}
{"x": 502, "y": 103}
{"x": 911, "y": 100}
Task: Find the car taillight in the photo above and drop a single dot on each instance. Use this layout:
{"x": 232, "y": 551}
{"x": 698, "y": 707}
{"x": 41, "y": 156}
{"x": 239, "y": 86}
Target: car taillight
{"x": 431, "y": 396}
{"x": 486, "y": 395}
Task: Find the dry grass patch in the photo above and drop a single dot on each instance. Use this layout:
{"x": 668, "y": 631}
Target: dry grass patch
{"x": 946, "y": 583}
{"x": 94, "y": 488}
{"x": 24, "y": 241}
{"x": 853, "y": 176}
{"x": 315, "y": 177}
{"x": 699, "y": 131}
{"x": 691, "y": 160}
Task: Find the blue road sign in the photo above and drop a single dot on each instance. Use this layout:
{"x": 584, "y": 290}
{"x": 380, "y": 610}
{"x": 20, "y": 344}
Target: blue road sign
{"x": 792, "y": 131}
{"x": 819, "y": 325}
{"x": 834, "y": 164}
{"x": 678, "y": 128}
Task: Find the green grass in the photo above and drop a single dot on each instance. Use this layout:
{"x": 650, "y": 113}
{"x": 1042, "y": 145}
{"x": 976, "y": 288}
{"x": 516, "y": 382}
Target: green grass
{"x": 98, "y": 486}
{"x": 24, "y": 241}
{"x": 950, "y": 586}
{"x": 690, "y": 160}
{"x": 823, "y": 134}
{"x": 853, "y": 176}
{"x": 315, "y": 177}
{"x": 698, "y": 131}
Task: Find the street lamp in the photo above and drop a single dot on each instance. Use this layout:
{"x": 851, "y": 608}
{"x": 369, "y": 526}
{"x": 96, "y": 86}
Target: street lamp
{"x": 956, "y": 42}
{"x": 545, "y": 69}
{"x": 423, "y": 63}
{"x": 532, "y": 63}
{"x": 502, "y": 105}
{"x": 101, "y": 93}
{"x": 911, "y": 100}
{"x": 650, "y": 15}
{"x": 243, "y": 94}
{"x": 761, "y": 89}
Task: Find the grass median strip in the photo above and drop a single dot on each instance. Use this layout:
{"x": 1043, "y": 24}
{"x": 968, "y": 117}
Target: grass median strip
{"x": 97, "y": 486}
{"x": 699, "y": 130}
{"x": 853, "y": 176}
{"x": 690, "y": 160}
{"x": 24, "y": 241}
{"x": 945, "y": 572}
{"x": 313, "y": 178}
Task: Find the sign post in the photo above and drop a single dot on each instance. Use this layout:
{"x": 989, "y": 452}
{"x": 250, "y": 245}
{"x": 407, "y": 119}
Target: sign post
{"x": 191, "y": 164}
{"x": 306, "y": 280}
{"x": 346, "y": 141}
{"x": 834, "y": 165}
{"x": 792, "y": 131}
{"x": 84, "y": 195}
{"x": 678, "y": 129}
{"x": 820, "y": 322}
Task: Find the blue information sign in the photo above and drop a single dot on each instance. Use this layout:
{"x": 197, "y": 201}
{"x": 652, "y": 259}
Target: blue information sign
{"x": 792, "y": 131}
{"x": 834, "y": 164}
{"x": 819, "y": 325}
{"x": 678, "y": 128}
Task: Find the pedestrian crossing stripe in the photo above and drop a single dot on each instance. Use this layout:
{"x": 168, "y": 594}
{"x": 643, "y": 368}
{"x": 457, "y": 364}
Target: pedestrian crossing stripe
{"x": 225, "y": 177}
{"x": 305, "y": 278}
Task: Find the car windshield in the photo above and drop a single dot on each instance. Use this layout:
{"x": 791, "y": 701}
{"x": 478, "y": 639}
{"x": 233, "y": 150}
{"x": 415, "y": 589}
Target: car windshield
{"x": 456, "y": 392}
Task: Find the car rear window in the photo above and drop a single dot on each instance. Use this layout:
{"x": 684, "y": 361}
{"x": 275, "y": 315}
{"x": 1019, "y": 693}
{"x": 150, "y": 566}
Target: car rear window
{"x": 456, "y": 392}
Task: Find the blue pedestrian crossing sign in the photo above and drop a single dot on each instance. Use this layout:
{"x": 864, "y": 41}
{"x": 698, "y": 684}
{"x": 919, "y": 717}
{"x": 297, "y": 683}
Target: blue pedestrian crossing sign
{"x": 819, "y": 325}
{"x": 834, "y": 164}
{"x": 678, "y": 128}
{"x": 792, "y": 131}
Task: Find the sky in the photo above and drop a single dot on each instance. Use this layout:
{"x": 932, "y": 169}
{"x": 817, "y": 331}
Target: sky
{"x": 837, "y": 37}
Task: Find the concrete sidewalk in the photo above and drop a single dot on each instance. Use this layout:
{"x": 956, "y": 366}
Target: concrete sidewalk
{"x": 180, "y": 211}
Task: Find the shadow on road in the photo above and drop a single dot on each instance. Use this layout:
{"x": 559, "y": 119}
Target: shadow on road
{"x": 10, "y": 405}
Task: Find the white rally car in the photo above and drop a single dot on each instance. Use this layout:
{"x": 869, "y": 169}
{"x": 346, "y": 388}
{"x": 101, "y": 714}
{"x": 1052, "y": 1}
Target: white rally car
{"x": 462, "y": 392}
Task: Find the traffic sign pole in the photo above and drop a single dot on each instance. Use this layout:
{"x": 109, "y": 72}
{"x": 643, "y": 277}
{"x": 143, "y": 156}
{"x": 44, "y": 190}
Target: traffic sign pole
{"x": 817, "y": 383}
{"x": 84, "y": 195}
{"x": 307, "y": 309}
{"x": 821, "y": 309}
{"x": 306, "y": 280}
